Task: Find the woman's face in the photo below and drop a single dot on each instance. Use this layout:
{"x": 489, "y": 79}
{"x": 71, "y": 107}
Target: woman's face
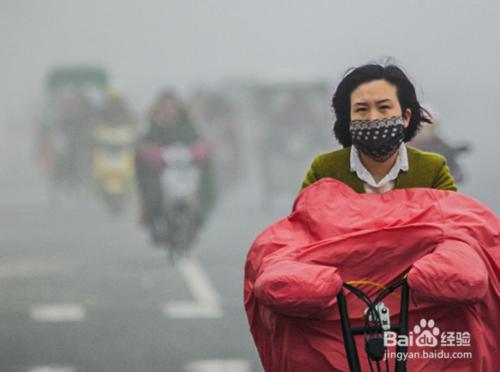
{"x": 377, "y": 99}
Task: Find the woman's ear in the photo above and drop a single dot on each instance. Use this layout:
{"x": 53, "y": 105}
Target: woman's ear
{"x": 406, "y": 118}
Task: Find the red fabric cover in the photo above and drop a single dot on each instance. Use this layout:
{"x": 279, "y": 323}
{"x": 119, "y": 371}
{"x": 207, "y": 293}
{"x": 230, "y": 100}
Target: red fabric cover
{"x": 449, "y": 243}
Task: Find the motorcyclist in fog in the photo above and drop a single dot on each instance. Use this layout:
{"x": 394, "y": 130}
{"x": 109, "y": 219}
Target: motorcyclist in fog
{"x": 69, "y": 135}
{"x": 168, "y": 123}
{"x": 429, "y": 139}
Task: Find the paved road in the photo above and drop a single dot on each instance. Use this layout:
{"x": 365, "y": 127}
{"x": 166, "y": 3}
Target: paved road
{"x": 82, "y": 291}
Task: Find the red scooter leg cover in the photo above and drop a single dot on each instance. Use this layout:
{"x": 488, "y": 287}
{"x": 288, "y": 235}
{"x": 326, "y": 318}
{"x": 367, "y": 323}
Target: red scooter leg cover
{"x": 447, "y": 243}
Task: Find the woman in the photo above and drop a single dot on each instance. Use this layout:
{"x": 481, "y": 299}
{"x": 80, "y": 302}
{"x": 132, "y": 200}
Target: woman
{"x": 446, "y": 245}
{"x": 377, "y": 112}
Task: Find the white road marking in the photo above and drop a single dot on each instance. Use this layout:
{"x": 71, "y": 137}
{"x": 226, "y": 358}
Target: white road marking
{"x": 218, "y": 365}
{"x": 58, "y": 313}
{"x": 206, "y": 304}
{"x": 52, "y": 369}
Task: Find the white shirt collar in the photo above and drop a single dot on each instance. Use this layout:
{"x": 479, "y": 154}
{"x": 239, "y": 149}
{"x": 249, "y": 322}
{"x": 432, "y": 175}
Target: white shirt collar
{"x": 401, "y": 164}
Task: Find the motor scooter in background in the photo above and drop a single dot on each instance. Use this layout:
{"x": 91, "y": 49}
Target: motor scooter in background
{"x": 113, "y": 165}
{"x": 177, "y": 219}
{"x": 180, "y": 181}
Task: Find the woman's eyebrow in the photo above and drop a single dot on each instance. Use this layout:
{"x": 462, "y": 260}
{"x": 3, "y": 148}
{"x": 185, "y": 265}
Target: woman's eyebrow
{"x": 360, "y": 104}
{"x": 385, "y": 100}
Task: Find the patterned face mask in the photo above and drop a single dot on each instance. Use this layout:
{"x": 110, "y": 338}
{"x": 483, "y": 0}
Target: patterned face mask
{"x": 378, "y": 139}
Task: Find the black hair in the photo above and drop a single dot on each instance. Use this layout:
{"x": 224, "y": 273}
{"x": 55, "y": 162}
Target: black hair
{"x": 341, "y": 100}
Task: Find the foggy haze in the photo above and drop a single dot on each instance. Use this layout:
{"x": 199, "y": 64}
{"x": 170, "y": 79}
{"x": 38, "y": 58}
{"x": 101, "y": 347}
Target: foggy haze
{"x": 150, "y": 44}
{"x": 79, "y": 254}
{"x": 449, "y": 48}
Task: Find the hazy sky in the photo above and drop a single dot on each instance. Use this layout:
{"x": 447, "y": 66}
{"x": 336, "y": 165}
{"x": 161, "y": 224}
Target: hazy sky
{"x": 149, "y": 44}
{"x": 449, "y": 47}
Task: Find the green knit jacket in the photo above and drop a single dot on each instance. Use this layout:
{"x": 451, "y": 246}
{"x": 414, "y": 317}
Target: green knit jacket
{"x": 426, "y": 169}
